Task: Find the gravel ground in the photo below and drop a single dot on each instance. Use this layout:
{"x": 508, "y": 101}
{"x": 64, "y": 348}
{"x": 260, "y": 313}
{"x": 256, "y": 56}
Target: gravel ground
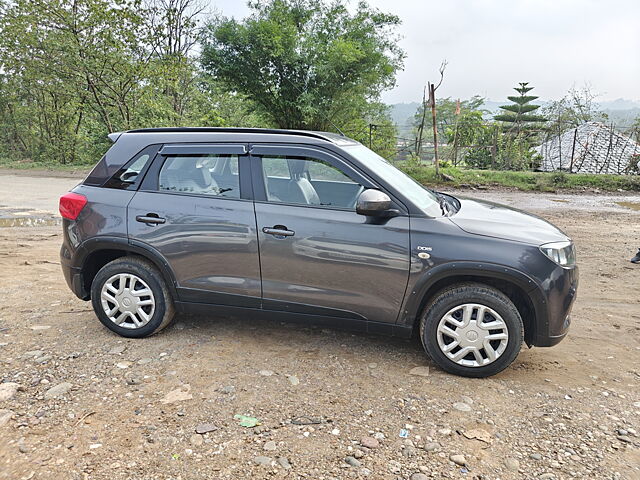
{"x": 78, "y": 402}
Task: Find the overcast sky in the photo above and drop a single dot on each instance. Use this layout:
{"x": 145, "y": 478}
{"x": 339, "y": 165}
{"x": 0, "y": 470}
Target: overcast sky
{"x": 491, "y": 45}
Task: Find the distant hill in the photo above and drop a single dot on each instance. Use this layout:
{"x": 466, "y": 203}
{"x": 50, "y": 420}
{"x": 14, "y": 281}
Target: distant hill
{"x": 621, "y": 112}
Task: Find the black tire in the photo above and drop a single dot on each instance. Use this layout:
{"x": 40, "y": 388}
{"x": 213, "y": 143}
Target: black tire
{"x": 460, "y": 294}
{"x": 163, "y": 309}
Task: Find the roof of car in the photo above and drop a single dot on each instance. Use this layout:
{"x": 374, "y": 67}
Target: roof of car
{"x": 327, "y": 136}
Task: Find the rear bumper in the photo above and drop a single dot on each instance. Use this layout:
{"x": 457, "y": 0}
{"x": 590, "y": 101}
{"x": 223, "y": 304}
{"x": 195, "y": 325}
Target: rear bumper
{"x": 557, "y": 295}
{"x": 72, "y": 275}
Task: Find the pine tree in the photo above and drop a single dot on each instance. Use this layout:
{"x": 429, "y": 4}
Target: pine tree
{"x": 518, "y": 114}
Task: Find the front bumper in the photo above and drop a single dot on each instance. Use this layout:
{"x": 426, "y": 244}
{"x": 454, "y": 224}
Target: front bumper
{"x": 557, "y": 295}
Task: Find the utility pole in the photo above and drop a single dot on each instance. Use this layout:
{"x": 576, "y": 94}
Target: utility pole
{"x": 421, "y": 127}
{"x": 372, "y": 128}
{"x": 432, "y": 101}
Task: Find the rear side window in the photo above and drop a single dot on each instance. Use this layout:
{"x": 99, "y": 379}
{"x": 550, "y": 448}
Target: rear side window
{"x": 213, "y": 175}
{"x": 130, "y": 175}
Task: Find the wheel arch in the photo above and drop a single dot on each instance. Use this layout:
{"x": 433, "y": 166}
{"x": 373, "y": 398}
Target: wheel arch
{"x": 518, "y": 287}
{"x": 93, "y": 254}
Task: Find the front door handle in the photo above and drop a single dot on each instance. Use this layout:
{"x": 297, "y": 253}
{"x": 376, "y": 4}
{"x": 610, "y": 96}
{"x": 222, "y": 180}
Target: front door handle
{"x": 150, "y": 219}
{"x": 278, "y": 231}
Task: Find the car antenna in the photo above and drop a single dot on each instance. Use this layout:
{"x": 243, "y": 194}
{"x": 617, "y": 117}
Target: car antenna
{"x": 323, "y": 114}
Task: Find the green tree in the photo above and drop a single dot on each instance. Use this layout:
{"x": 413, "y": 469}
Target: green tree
{"x": 519, "y": 114}
{"x": 305, "y": 64}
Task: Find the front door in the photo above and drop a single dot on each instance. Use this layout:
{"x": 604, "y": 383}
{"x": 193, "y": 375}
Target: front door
{"x": 194, "y": 207}
{"x": 317, "y": 255}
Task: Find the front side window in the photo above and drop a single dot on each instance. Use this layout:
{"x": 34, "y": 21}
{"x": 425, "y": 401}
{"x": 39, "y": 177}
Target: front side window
{"x": 308, "y": 181}
{"x": 215, "y": 175}
{"x": 422, "y": 197}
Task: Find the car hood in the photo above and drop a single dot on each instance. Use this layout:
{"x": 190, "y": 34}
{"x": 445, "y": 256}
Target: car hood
{"x": 495, "y": 220}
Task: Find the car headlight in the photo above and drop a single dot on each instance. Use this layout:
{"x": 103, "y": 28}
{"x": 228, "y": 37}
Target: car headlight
{"x": 563, "y": 253}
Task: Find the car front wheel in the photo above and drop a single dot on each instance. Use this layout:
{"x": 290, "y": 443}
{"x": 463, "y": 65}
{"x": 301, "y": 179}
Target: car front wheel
{"x": 129, "y": 297}
{"x": 472, "y": 330}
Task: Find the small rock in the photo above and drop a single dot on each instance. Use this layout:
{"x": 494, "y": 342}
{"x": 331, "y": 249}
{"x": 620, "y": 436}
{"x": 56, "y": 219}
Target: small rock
{"x": 178, "y": 395}
{"x": 33, "y": 353}
{"x": 546, "y": 476}
{"x": 293, "y": 380}
{"x": 266, "y": 373}
{"x": 461, "y": 406}
{"x": 369, "y": 442}
{"x": 458, "y": 459}
{"x": 512, "y": 464}
{"x": 394, "y": 467}
{"x": 203, "y": 428}
{"x": 123, "y": 365}
{"x": 261, "y": 460}
{"x": 40, "y": 327}
{"x": 408, "y": 451}
{"x": 8, "y": 390}
{"x": 117, "y": 350}
{"x": 284, "y": 463}
{"x": 622, "y": 431}
{"x": 144, "y": 361}
{"x": 467, "y": 400}
{"x": 358, "y": 453}
{"x": 419, "y": 476}
{"x": 5, "y": 416}
{"x": 419, "y": 371}
{"x": 378, "y": 436}
{"x": 352, "y": 461}
{"x": 57, "y": 391}
{"x": 270, "y": 446}
{"x": 93, "y": 446}
{"x": 535, "y": 456}
{"x": 196, "y": 440}
{"x": 23, "y": 449}
{"x": 432, "y": 446}
{"x": 335, "y": 431}
{"x": 228, "y": 390}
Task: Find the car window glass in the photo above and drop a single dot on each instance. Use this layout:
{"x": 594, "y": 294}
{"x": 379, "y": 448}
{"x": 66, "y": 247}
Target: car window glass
{"x": 215, "y": 175}
{"x": 127, "y": 176}
{"x": 308, "y": 181}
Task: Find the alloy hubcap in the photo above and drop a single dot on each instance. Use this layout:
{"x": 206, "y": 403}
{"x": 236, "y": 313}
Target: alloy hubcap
{"x": 127, "y": 300}
{"x": 472, "y": 335}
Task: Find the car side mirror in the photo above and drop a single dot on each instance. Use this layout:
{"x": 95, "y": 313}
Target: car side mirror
{"x": 374, "y": 203}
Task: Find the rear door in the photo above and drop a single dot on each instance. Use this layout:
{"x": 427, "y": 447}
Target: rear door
{"x": 194, "y": 207}
{"x": 317, "y": 255}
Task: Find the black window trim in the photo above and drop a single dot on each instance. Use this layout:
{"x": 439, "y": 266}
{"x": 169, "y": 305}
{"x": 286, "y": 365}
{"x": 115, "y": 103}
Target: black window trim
{"x": 135, "y": 185}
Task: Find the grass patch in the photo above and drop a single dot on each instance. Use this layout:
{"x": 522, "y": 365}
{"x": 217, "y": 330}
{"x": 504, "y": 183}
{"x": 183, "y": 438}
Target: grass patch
{"x": 528, "y": 181}
{"x": 52, "y": 166}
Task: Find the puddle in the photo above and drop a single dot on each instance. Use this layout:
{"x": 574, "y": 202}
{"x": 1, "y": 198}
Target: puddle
{"x": 631, "y": 205}
{"x": 29, "y": 222}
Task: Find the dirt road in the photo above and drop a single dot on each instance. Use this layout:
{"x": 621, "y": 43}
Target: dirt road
{"x": 78, "y": 402}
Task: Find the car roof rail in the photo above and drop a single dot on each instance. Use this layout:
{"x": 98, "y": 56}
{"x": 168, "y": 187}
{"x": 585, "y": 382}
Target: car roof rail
{"x": 330, "y": 137}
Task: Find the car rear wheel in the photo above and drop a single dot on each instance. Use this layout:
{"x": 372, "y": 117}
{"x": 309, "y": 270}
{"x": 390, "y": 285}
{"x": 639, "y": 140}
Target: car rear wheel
{"x": 130, "y": 298}
{"x": 472, "y": 330}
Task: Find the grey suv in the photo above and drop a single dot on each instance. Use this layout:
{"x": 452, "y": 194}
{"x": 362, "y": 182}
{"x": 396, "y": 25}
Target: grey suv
{"x": 313, "y": 227}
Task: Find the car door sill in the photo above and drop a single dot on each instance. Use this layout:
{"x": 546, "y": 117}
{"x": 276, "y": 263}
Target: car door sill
{"x": 340, "y": 323}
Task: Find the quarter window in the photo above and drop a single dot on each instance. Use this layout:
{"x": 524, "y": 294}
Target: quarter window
{"x": 308, "y": 181}
{"x": 215, "y": 175}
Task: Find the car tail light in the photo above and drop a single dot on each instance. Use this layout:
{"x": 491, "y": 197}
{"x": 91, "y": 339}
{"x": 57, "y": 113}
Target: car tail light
{"x": 71, "y": 204}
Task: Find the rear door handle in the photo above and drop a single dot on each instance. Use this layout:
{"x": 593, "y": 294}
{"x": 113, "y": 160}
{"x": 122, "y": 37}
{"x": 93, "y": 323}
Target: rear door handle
{"x": 278, "y": 231}
{"x": 150, "y": 219}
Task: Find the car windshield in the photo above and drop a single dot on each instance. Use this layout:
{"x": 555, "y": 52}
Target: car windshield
{"x": 423, "y": 198}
